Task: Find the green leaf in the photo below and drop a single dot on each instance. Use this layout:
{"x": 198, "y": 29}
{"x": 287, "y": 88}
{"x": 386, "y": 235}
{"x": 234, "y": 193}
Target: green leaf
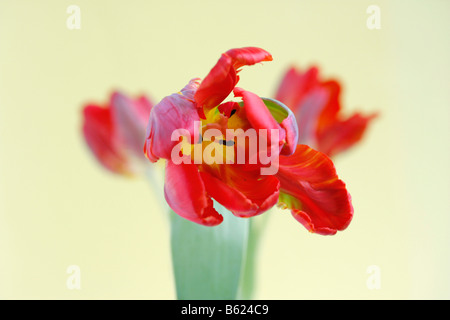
{"x": 208, "y": 261}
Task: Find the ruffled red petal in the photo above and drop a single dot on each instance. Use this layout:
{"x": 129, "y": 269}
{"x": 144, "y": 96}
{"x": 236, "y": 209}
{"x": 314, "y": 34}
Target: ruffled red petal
{"x": 241, "y": 192}
{"x": 286, "y": 119}
{"x": 312, "y": 190}
{"x": 308, "y": 115}
{"x": 259, "y": 116}
{"x": 186, "y": 194}
{"x": 222, "y": 78}
{"x": 99, "y": 135}
{"x": 174, "y": 112}
{"x": 343, "y": 134}
{"x": 248, "y": 56}
{"x": 330, "y": 111}
{"x": 217, "y": 85}
{"x": 316, "y": 105}
{"x": 295, "y": 85}
{"x": 130, "y": 118}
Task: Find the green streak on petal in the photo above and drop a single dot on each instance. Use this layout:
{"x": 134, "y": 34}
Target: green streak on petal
{"x": 278, "y": 110}
{"x": 287, "y": 201}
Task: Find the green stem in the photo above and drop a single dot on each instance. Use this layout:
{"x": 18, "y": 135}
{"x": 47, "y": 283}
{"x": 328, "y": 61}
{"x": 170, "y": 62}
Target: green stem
{"x": 249, "y": 274}
{"x": 208, "y": 261}
{"x": 212, "y": 262}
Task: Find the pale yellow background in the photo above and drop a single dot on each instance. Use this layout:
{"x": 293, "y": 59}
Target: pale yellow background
{"x": 58, "y": 207}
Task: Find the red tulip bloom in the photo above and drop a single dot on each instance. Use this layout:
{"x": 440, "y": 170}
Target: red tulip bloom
{"x": 115, "y": 132}
{"x": 304, "y": 180}
{"x": 316, "y": 105}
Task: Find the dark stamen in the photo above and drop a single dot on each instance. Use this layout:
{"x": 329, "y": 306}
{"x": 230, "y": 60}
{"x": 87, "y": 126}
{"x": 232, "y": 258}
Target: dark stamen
{"x": 227, "y": 143}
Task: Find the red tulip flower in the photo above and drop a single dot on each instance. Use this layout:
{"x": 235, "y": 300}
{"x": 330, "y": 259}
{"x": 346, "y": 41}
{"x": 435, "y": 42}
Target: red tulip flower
{"x": 304, "y": 180}
{"x": 317, "y": 108}
{"x": 115, "y": 132}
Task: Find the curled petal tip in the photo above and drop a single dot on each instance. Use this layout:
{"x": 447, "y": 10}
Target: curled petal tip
{"x": 248, "y": 56}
